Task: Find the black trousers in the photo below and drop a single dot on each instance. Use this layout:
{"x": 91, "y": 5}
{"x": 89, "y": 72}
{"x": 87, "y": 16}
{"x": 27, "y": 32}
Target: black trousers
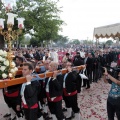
{"x": 79, "y": 83}
{"x": 99, "y": 73}
{"x": 71, "y": 102}
{"x": 56, "y": 108}
{"x": 12, "y": 102}
{"x": 86, "y": 82}
{"x": 112, "y": 109}
{"x": 31, "y": 114}
{"x": 90, "y": 76}
{"x": 95, "y": 75}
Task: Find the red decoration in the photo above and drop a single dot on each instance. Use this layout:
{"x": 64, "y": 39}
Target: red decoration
{"x": 20, "y": 26}
{"x": 8, "y": 8}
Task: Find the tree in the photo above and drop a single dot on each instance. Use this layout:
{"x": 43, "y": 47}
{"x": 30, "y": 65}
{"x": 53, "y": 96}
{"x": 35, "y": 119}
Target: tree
{"x": 34, "y": 42}
{"x": 61, "y": 40}
{"x": 87, "y": 42}
{"x": 75, "y": 41}
{"x": 2, "y": 42}
{"x": 25, "y": 40}
{"x": 41, "y": 16}
{"x": 109, "y": 42}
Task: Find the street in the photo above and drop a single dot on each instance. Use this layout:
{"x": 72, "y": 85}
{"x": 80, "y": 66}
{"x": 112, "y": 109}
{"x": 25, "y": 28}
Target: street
{"x": 3, "y": 106}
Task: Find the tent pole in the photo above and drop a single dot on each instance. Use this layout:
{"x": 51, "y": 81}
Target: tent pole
{"x": 96, "y": 43}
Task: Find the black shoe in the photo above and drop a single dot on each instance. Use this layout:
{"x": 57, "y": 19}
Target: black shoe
{"x": 39, "y": 113}
{"x": 48, "y": 118}
{"x": 7, "y": 115}
{"x": 64, "y": 109}
{"x": 45, "y": 115}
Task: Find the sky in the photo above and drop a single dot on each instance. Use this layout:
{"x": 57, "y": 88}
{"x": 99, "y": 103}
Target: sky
{"x": 9, "y": 1}
{"x": 82, "y": 16}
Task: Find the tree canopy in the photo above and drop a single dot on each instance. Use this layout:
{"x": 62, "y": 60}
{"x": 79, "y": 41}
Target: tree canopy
{"x": 75, "y": 41}
{"x": 41, "y": 16}
{"x": 109, "y": 42}
{"x": 61, "y": 40}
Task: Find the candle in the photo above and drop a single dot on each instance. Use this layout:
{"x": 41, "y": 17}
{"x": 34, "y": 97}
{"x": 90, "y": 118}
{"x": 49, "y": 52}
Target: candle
{"x": 2, "y": 23}
{"x": 11, "y": 17}
{"x": 20, "y": 23}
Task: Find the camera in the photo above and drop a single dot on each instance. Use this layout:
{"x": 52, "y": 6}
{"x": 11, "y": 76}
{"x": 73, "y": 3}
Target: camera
{"x": 113, "y": 71}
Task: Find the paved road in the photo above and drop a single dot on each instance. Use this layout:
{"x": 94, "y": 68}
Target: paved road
{"x": 3, "y": 106}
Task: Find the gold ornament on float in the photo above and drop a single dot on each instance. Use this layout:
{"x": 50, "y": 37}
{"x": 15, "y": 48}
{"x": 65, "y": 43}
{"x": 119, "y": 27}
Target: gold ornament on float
{"x": 9, "y": 36}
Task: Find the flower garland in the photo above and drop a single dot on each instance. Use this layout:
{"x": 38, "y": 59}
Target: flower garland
{"x": 5, "y": 70}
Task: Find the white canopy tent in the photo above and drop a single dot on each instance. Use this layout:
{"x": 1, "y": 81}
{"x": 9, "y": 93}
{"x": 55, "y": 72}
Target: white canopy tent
{"x": 107, "y": 31}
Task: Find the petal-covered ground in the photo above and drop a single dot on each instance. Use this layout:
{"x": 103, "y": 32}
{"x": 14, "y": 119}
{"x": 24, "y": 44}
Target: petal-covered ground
{"x": 92, "y": 102}
{"x": 3, "y": 106}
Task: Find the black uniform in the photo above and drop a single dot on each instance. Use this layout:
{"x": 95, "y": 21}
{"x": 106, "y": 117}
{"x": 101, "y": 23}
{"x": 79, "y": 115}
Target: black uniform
{"x": 70, "y": 90}
{"x": 29, "y": 94}
{"x": 53, "y": 91}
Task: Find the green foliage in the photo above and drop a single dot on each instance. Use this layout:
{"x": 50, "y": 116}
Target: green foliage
{"x": 109, "y": 42}
{"x": 25, "y": 40}
{"x": 41, "y": 16}
{"x": 87, "y": 42}
{"x": 34, "y": 42}
{"x": 75, "y": 41}
{"x": 61, "y": 40}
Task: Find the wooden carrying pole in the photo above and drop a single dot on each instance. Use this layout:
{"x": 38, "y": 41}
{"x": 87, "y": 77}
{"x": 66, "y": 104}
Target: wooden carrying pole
{"x": 15, "y": 81}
